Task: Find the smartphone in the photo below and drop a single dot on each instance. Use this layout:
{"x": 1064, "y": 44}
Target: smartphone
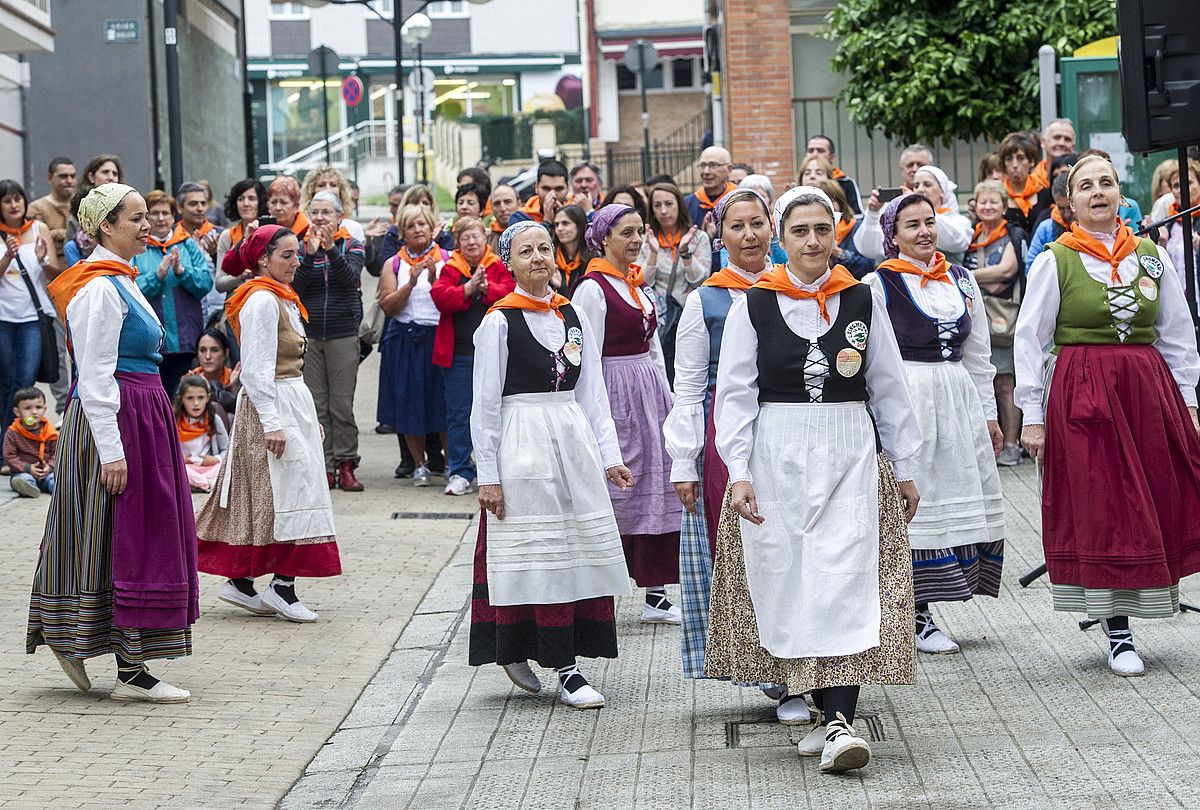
{"x": 886, "y": 195}
{"x": 266, "y": 221}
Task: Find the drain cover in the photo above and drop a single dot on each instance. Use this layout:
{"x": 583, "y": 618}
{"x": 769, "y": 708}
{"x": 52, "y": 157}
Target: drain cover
{"x": 770, "y": 733}
{"x": 432, "y": 515}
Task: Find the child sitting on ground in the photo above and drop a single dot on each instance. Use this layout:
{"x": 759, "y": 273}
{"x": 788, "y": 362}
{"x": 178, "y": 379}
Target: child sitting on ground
{"x": 202, "y": 434}
{"x": 29, "y": 445}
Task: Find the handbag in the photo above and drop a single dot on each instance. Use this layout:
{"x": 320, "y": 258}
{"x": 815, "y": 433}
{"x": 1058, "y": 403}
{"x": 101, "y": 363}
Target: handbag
{"x": 668, "y": 323}
{"x": 1002, "y": 315}
{"x": 48, "y": 371}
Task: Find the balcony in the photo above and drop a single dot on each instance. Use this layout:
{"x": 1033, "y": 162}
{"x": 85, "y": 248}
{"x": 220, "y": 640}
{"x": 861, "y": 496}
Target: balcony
{"x": 25, "y": 26}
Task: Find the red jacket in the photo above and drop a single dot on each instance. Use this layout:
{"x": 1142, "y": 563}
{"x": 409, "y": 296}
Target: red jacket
{"x": 448, "y": 297}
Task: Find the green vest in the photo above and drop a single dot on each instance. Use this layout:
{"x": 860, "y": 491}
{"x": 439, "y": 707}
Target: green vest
{"x": 1085, "y": 315}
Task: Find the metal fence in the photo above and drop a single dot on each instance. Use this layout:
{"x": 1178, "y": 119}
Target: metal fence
{"x": 510, "y": 137}
{"x": 873, "y": 159}
{"x": 674, "y": 154}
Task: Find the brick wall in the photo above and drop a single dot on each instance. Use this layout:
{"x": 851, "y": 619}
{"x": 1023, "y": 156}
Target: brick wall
{"x": 758, "y": 87}
{"x": 668, "y": 112}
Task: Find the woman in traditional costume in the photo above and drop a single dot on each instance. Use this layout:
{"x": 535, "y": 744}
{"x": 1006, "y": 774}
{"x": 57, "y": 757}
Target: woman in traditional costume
{"x": 548, "y": 562}
{"x": 937, "y": 315}
{"x": 270, "y": 512}
{"x": 1106, "y": 376}
{"x": 620, "y": 307}
{"x": 117, "y": 569}
{"x": 812, "y": 587}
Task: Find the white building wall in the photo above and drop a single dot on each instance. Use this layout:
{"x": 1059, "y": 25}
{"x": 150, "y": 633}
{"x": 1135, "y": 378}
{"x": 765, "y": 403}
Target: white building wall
{"x": 620, "y": 15}
{"x": 609, "y": 127}
{"x": 258, "y": 29}
{"x": 508, "y": 26}
{"x": 341, "y": 28}
{"x": 12, "y": 152}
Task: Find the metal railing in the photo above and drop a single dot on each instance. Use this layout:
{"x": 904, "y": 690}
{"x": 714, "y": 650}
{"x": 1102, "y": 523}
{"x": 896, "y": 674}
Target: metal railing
{"x": 870, "y": 157}
{"x": 365, "y": 139}
{"x": 674, "y": 154}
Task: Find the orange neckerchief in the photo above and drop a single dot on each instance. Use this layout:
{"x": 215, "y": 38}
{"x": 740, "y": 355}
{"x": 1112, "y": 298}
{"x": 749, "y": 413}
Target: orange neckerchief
{"x": 411, "y": 260}
{"x": 533, "y": 207}
{"x": 1042, "y": 172}
{"x": 1174, "y": 210}
{"x": 226, "y": 375}
{"x": 1080, "y": 240}
{"x": 705, "y": 203}
{"x": 1025, "y": 198}
{"x": 669, "y": 241}
{"x": 17, "y": 232}
{"x": 728, "y": 279}
{"x": 189, "y": 430}
{"x": 838, "y": 174}
{"x": 341, "y": 233}
{"x": 173, "y": 238}
{"x": 46, "y": 433}
{"x": 459, "y": 262}
{"x": 487, "y": 208}
{"x": 201, "y": 232}
{"x": 1057, "y": 216}
{"x": 777, "y": 279}
{"x": 633, "y": 279}
{"x": 516, "y": 300}
{"x": 235, "y": 234}
{"x": 74, "y": 278}
{"x": 999, "y": 232}
{"x": 497, "y": 227}
{"x": 940, "y": 271}
{"x": 842, "y": 230}
{"x": 299, "y": 224}
{"x": 235, "y": 302}
{"x": 567, "y": 268}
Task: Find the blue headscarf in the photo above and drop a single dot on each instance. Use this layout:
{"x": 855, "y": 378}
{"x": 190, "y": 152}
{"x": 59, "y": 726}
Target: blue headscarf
{"x": 504, "y": 246}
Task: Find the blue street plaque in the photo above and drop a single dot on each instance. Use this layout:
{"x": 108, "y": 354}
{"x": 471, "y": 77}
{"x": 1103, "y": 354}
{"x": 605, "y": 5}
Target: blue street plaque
{"x": 122, "y": 32}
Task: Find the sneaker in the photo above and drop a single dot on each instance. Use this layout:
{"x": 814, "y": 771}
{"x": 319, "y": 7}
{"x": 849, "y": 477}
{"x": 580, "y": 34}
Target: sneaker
{"x": 457, "y": 485}
{"x": 421, "y": 476}
{"x": 385, "y": 430}
{"x": 161, "y": 692}
{"x": 403, "y": 470}
{"x": 585, "y": 697}
{"x": 295, "y": 612}
{"x": 1010, "y": 456}
{"x": 1123, "y": 658}
{"x": 523, "y": 676}
{"x": 24, "y": 488}
{"x": 793, "y": 710}
{"x": 844, "y": 750}
{"x": 229, "y": 593}
{"x": 813, "y": 743}
{"x": 930, "y": 638}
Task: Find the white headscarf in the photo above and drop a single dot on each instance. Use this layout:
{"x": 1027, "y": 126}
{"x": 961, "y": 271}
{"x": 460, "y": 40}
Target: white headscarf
{"x": 948, "y": 188}
{"x": 788, "y": 197}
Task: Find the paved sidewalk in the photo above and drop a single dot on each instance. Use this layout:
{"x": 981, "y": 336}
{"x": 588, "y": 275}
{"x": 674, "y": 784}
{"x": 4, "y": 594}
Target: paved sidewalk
{"x": 266, "y": 694}
{"x": 1027, "y": 716}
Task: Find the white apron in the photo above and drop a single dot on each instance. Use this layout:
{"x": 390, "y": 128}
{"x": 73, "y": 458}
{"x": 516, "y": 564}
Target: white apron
{"x": 558, "y": 541}
{"x": 813, "y": 565}
{"x": 961, "y": 500}
{"x": 299, "y": 489}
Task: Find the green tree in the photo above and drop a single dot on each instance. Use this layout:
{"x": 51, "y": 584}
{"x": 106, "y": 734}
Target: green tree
{"x": 941, "y": 70}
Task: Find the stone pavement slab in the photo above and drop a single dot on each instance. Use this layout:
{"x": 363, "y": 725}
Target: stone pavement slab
{"x": 1027, "y": 716}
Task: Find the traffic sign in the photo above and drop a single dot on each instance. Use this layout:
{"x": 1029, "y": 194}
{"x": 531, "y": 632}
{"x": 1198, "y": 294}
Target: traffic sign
{"x": 641, "y": 55}
{"x": 419, "y": 80}
{"x": 352, "y": 91}
{"x": 322, "y": 61}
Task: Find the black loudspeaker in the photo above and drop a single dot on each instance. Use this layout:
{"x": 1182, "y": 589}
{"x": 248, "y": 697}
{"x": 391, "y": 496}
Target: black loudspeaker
{"x": 1160, "y": 73}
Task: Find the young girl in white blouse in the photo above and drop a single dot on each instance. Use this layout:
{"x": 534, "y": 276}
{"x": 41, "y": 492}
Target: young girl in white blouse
{"x": 202, "y": 435}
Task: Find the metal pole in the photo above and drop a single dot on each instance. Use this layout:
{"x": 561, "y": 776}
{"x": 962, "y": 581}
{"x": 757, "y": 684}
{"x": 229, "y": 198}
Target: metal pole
{"x": 174, "y": 124}
{"x": 641, "y": 46}
{"x": 155, "y": 123}
{"x": 1189, "y": 253}
{"x": 325, "y": 104}
{"x": 398, "y": 44}
{"x": 421, "y": 111}
{"x": 1047, "y": 84}
{"x": 247, "y": 98}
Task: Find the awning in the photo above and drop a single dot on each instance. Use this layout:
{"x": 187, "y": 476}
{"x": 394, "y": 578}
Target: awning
{"x": 668, "y": 46}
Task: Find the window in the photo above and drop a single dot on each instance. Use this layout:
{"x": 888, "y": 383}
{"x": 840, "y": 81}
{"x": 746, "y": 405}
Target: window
{"x": 384, "y": 8}
{"x": 626, "y": 78}
{"x": 683, "y": 73}
{"x": 289, "y": 11}
{"x": 447, "y": 8}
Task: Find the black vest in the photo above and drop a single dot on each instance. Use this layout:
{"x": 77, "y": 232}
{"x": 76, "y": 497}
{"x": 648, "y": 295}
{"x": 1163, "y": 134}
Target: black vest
{"x": 786, "y": 373}
{"x": 534, "y": 369}
{"x": 467, "y": 321}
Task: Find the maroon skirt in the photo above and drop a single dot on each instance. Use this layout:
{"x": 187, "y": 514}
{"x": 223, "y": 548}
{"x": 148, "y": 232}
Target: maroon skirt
{"x": 715, "y": 475}
{"x": 552, "y": 635}
{"x": 1121, "y": 479}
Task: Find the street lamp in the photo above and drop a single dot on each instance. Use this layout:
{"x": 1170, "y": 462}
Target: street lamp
{"x": 398, "y": 45}
{"x": 414, "y": 32}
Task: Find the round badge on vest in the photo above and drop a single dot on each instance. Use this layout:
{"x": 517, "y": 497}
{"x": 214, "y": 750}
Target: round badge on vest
{"x": 1148, "y": 287}
{"x": 575, "y": 335}
{"x": 856, "y": 334}
{"x": 572, "y": 352}
{"x": 968, "y": 289}
{"x": 1153, "y": 267}
{"x": 849, "y": 361}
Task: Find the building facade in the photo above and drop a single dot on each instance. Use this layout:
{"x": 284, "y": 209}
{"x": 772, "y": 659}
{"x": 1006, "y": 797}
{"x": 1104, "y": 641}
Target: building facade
{"x": 24, "y": 30}
{"x": 103, "y": 90}
{"x": 488, "y": 59}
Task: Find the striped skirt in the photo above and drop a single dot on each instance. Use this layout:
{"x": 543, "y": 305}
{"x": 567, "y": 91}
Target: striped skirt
{"x": 957, "y": 574}
{"x": 71, "y": 608}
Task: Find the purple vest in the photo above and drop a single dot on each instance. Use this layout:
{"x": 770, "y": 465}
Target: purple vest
{"x": 627, "y": 329}
{"x": 923, "y": 339}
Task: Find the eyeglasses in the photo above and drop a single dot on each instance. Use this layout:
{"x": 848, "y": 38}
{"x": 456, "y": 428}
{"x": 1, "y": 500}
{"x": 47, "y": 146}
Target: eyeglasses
{"x": 703, "y": 166}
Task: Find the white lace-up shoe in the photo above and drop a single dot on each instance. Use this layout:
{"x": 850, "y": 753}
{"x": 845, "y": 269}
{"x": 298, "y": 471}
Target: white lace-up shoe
{"x": 793, "y": 710}
{"x": 930, "y": 638}
{"x": 814, "y": 742}
{"x": 585, "y": 697}
{"x": 161, "y": 692}
{"x": 1123, "y": 658}
{"x": 229, "y": 593}
{"x": 295, "y": 612}
{"x": 843, "y": 751}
